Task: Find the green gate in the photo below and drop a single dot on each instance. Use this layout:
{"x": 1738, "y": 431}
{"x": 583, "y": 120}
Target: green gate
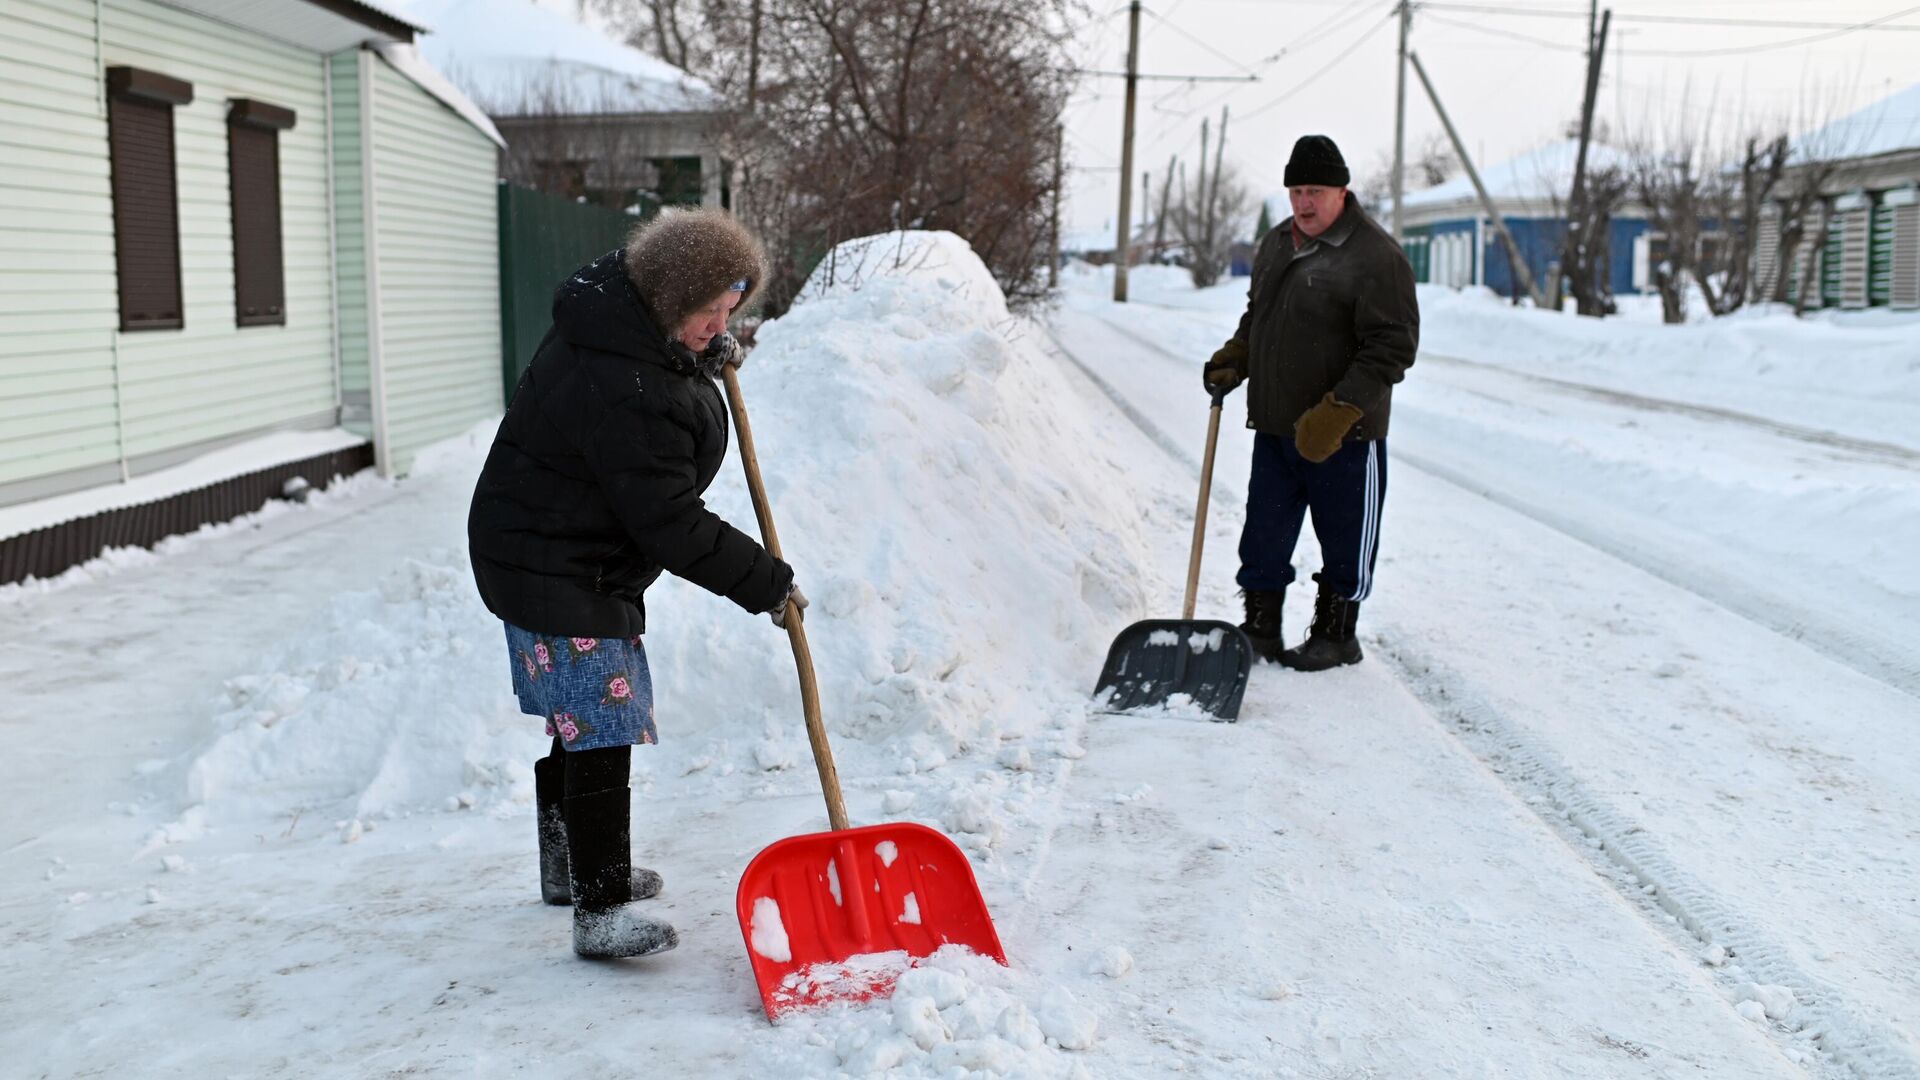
{"x": 543, "y": 238}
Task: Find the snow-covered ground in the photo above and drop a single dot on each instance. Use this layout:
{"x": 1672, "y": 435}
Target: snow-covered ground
{"x": 1579, "y": 814}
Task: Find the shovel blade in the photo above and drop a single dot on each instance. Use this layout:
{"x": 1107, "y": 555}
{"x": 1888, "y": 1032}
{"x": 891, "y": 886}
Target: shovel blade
{"x": 1153, "y": 660}
{"x": 837, "y": 916}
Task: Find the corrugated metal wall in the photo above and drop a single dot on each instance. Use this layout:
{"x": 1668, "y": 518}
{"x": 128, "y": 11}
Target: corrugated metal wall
{"x": 436, "y": 238}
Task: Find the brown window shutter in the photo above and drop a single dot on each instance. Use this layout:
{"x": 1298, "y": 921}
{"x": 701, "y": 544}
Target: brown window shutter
{"x": 253, "y": 161}
{"x": 146, "y": 216}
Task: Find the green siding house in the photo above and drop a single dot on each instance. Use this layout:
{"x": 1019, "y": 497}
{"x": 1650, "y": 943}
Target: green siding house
{"x": 221, "y": 222}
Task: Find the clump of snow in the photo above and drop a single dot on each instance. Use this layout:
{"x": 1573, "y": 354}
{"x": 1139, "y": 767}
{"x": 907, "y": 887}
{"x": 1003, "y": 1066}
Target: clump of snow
{"x": 768, "y": 934}
{"x": 952, "y": 1014}
{"x": 910, "y": 912}
{"x": 1775, "y": 1002}
{"x": 1066, "y": 1021}
{"x": 888, "y": 851}
{"x": 1112, "y": 961}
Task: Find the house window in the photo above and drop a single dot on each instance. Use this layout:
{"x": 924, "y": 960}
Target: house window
{"x": 253, "y": 163}
{"x": 146, "y": 209}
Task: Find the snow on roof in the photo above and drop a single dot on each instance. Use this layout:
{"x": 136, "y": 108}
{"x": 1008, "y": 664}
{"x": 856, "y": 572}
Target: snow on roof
{"x": 506, "y": 53}
{"x": 1887, "y": 126}
{"x": 1537, "y": 175}
{"x": 406, "y": 59}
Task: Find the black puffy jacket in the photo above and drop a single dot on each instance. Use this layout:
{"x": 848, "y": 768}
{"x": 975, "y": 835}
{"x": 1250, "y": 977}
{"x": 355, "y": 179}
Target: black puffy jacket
{"x": 593, "y": 484}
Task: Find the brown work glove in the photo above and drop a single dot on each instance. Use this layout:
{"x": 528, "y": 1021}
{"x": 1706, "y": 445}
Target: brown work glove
{"x": 1228, "y": 368}
{"x": 1320, "y": 430}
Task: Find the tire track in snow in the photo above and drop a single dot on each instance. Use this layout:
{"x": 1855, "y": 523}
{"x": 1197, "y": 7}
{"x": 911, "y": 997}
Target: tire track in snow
{"x": 1625, "y": 854}
{"x": 1828, "y": 637}
{"x": 1884, "y": 452}
{"x": 1620, "y": 850}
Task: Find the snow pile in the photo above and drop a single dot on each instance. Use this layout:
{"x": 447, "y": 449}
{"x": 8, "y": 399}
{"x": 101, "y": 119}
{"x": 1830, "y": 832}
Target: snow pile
{"x": 392, "y": 703}
{"x": 966, "y": 620}
{"x": 953, "y": 1014}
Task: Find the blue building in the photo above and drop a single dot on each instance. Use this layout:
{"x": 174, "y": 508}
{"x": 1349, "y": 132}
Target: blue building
{"x": 1450, "y": 240}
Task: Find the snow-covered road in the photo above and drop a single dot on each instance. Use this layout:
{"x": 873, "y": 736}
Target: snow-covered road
{"x": 269, "y": 792}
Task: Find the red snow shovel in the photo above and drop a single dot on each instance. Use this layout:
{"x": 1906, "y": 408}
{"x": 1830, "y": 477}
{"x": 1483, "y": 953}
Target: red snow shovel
{"x": 837, "y": 916}
{"x": 1205, "y": 659}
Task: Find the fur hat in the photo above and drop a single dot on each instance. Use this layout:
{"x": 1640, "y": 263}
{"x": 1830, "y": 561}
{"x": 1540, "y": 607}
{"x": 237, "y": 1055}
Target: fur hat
{"x": 684, "y": 259}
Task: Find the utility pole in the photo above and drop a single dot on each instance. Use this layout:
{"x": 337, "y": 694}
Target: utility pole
{"x": 1577, "y": 240}
{"x": 1400, "y": 122}
{"x": 1213, "y": 194}
{"x": 1059, "y": 173}
{"x": 1521, "y": 272}
{"x": 1120, "y": 253}
{"x": 1160, "y": 219}
{"x": 1200, "y": 189}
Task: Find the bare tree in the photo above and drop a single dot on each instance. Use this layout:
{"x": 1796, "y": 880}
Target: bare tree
{"x": 674, "y": 30}
{"x": 1741, "y": 188}
{"x": 1589, "y": 267}
{"x": 1209, "y": 218}
{"x": 1669, "y": 183}
{"x": 854, "y": 117}
{"x": 1431, "y": 164}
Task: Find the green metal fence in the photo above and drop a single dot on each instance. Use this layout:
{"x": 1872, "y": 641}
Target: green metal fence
{"x": 543, "y": 238}
{"x": 1832, "y": 258}
{"x": 1880, "y": 255}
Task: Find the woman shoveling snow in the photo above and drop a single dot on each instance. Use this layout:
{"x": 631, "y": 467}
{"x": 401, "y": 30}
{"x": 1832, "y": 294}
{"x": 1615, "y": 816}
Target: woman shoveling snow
{"x": 593, "y": 488}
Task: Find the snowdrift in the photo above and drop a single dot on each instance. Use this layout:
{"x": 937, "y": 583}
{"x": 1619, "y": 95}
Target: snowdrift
{"x": 967, "y": 550}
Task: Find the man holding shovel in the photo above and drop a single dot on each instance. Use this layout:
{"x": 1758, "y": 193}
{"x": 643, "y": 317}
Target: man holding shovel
{"x": 1331, "y": 324}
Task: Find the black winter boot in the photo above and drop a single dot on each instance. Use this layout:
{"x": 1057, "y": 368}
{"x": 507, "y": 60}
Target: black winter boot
{"x": 1331, "y": 642}
{"x": 1263, "y": 620}
{"x": 606, "y": 923}
{"x": 549, "y": 787}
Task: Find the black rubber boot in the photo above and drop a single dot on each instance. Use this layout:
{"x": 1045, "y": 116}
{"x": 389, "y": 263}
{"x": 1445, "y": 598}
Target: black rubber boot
{"x": 549, "y": 787}
{"x": 606, "y": 922}
{"x": 1263, "y": 620}
{"x": 1331, "y": 642}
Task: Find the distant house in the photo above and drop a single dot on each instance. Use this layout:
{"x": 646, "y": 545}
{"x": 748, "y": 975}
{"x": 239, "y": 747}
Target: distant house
{"x": 584, "y": 116}
{"x": 1869, "y": 254}
{"x": 258, "y": 236}
{"x": 1451, "y": 241}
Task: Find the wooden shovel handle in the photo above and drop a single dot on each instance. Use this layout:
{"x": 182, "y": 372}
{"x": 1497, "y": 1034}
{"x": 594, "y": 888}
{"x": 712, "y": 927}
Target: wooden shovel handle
{"x": 796, "y": 632}
{"x": 1200, "y": 515}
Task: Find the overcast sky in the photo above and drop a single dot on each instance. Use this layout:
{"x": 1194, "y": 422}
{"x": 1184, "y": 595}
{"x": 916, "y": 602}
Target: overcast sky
{"x": 1511, "y": 78}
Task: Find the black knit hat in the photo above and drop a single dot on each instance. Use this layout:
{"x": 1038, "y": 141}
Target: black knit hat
{"x": 1316, "y": 161}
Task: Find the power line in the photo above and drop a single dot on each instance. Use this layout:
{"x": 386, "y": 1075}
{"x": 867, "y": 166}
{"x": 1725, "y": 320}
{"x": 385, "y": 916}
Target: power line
{"x": 1328, "y": 66}
{"x": 1796, "y": 42}
{"x": 1175, "y": 27}
{"x": 1678, "y": 20}
{"x": 1494, "y": 31}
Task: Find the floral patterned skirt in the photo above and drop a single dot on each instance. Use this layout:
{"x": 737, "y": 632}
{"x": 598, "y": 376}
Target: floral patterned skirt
{"x": 592, "y": 692}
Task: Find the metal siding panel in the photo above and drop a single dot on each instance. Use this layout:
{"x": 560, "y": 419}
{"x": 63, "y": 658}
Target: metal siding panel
{"x": 1854, "y": 241}
{"x": 214, "y": 378}
{"x": 437, "y": 214}
{"x": 1904, "y": 261}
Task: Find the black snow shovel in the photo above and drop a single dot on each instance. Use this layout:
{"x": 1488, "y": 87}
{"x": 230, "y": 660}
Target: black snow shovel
{"x": 1157, "y": 661}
